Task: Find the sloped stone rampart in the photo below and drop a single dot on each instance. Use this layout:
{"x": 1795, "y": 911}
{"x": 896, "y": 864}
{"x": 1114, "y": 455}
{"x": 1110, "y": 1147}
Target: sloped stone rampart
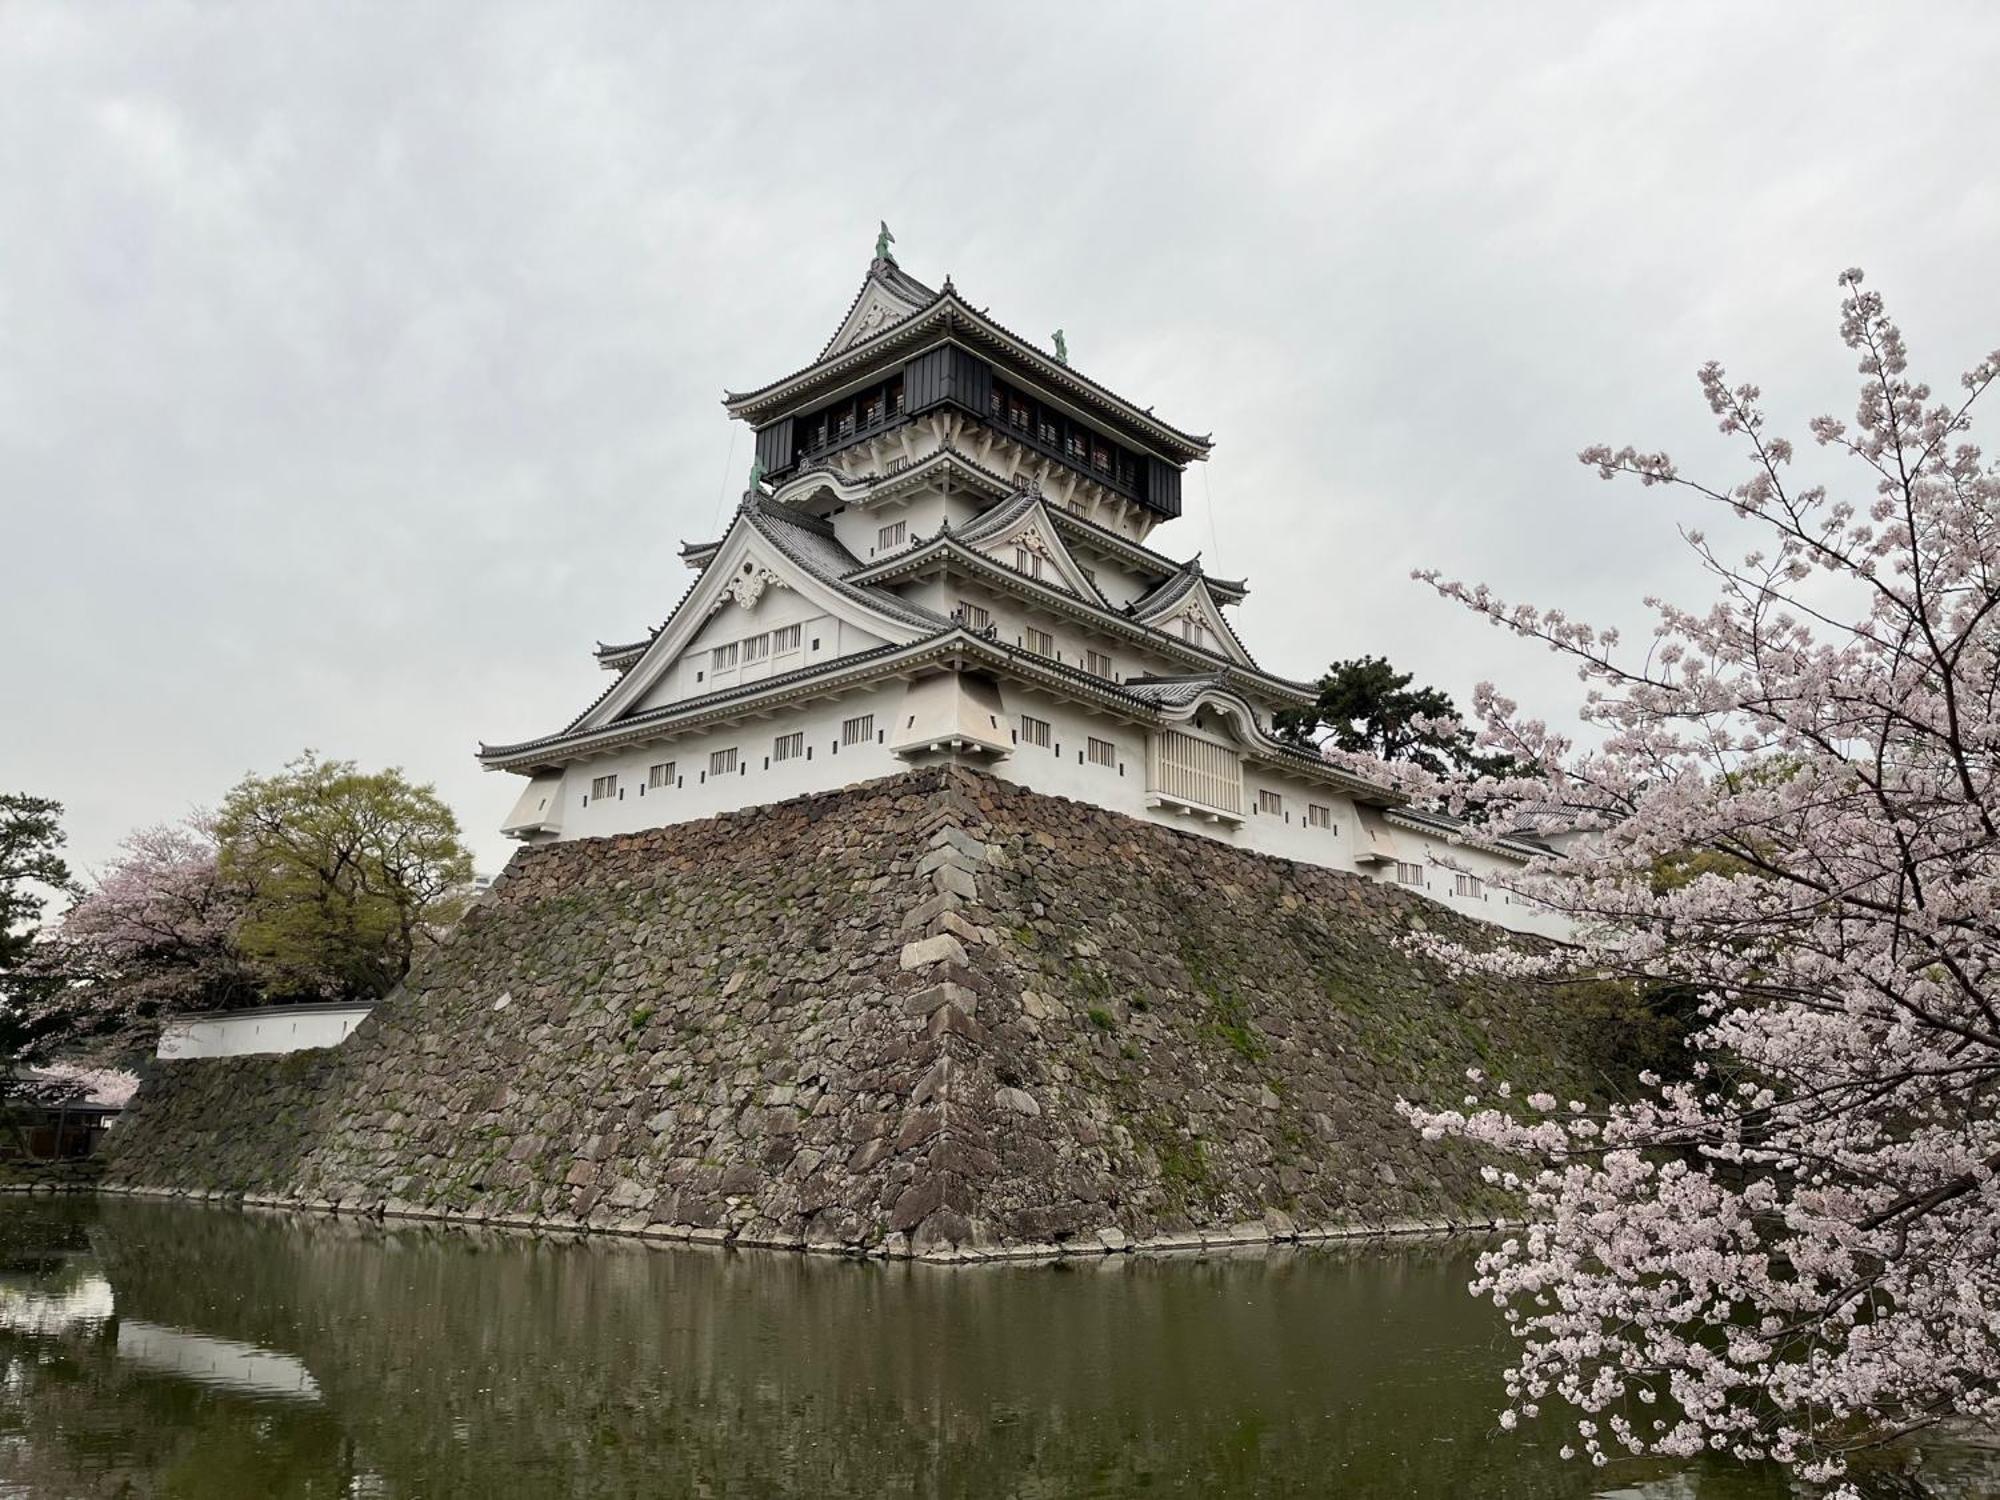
{"x": 937, "y": 1014}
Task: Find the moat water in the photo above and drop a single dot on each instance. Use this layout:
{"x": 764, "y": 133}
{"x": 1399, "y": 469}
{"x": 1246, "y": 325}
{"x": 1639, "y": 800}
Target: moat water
{"x": 166, "y": 1350}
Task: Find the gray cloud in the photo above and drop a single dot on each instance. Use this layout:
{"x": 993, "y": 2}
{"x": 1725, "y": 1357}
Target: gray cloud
{"x": 359, "y": 365}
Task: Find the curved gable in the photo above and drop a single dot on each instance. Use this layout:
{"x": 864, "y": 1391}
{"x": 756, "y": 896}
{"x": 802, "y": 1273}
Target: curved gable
{"x": 747, "y": 563}
{"x": 1184, "y": 607}
{"x": 1028, "y": 542}
{"x": 887, "y": 297}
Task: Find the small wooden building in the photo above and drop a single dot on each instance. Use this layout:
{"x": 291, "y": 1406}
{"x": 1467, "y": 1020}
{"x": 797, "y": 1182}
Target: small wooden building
{"x": 52, "y": 1117}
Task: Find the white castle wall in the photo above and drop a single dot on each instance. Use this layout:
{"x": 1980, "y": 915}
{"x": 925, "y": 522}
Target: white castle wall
{"x": 1062, "y": 770}
{"x": 277, "y": 1028}
{"x": 759, "y": 778}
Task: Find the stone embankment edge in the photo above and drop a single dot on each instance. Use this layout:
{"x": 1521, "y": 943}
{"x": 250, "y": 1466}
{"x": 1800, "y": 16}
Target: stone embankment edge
{"x": 1108, "y": 1242}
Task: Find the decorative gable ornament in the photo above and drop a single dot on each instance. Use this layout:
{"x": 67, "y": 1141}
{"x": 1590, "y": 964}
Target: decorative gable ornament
{"x": 873, "y": 316}
{"x": 880, "y": 308}
{"x": 747, "y": 584}
{"x": 1034, "y": 541}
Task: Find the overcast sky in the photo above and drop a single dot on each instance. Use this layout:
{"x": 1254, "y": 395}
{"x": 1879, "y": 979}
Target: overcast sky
{"x": 360, "y": 364}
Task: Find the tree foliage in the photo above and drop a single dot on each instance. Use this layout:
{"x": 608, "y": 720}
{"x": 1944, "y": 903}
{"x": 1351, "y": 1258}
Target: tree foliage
{"x": 346, "y": 875}
{"x": 155, "y": 936}
{"x": 1366, "y": 707}
{"x": 322, "y": 882}
{"x": 1794, "y": 1252}
{"x": 31, "y": 869}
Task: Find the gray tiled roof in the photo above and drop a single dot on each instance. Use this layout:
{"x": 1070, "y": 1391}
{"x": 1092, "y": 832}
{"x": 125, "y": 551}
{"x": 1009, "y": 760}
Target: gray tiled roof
{"x": 810, "y": 542}
{"x": 1177, "y": 588}
{"x": 1473, "y": 833}
{"x": 1172, "y": 692}
{"x": 998, "y": 518}
{"x": 974, "y": 325}
{"x": 899, "y": 282}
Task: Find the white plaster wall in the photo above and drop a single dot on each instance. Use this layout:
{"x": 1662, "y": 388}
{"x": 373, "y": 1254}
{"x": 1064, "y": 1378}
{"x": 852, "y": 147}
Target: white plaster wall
{"x": 822, "y": 638}
{"x": 859, "y": 529}
{"x": 1442, "y": 859}
{"x": 1119, "y": 584}
{"x": 274, "y": 1029}
{"x": 697, "y": 795}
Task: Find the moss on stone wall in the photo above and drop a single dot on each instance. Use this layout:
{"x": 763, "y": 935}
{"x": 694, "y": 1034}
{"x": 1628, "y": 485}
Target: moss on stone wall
{"x": 929, "y": 1014}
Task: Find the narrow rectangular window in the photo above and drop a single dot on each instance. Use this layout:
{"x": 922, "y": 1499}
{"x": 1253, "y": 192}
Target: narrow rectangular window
{"x": 857, "y": 731}
{"x": 785, "y": 641}
{"x": 1039, "y": 641}
{"x": 660, "y": 775}
{"x": 1035, "y": 731}
{"x": 1102, "y": 752}
{"x": 602, "y": 787}
{"x": 892, "y": 536}
{"x": 724, "y": 657}
{"x": 1318, "y": 815}
{"x": 1469, "y": 885}
{"x": 1192, "y": 632}
{"x": 973, "y": 616}
{"x": 1409, "y": 874}
{"x": 789, "y": 746}
{"x": 722, "y": 762}
{"x": 756, "y": 649}
{"x": 1027, "y": 562}
{"x": 1097, "y": 664}
{"x": 1270, "y": 802}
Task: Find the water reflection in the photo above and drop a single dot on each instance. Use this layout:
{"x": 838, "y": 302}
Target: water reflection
{"x": 151, "y": 1349}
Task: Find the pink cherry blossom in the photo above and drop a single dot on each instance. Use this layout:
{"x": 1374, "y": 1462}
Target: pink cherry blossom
{"x": 1791, "y": 806}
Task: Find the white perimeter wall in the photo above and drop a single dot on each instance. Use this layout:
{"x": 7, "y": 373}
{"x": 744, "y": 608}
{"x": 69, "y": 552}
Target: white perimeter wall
{"x": 1062, "y": 770}
{"x": 276, "y": 1029}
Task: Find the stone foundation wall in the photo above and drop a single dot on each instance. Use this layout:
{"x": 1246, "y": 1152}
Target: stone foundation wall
{"x": 936, "y": 1015}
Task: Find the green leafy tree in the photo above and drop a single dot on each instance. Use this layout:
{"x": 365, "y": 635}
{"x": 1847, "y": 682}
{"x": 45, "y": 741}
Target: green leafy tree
{"x": 348, "y": 875}
{"x": 32, "y": 869}
{"x": 1367, "y": 707}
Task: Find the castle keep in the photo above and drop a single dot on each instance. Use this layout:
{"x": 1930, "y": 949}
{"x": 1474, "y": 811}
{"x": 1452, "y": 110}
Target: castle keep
{"x": 944, "y": 557}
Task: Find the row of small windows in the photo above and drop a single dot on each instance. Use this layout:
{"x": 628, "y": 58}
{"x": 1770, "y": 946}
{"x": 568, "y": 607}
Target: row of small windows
{"x": 1057, "y": 433}
{"x": 1039, "y": 734}
{"x": 859, "y": 730}
{"x": 861, "y": 412}
{"x": 1469, "y": 886}
{"x": 753, "y": 649}
{"x": 1318, "y": 814}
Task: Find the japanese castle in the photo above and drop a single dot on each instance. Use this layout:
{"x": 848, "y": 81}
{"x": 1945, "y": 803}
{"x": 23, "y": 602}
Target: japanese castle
{"x": 943, "y": 556}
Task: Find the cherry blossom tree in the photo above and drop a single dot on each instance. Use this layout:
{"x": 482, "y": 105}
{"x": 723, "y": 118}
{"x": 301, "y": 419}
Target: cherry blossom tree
{"x": 153, "y": 936}
{"x": 1792, "y": 805}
